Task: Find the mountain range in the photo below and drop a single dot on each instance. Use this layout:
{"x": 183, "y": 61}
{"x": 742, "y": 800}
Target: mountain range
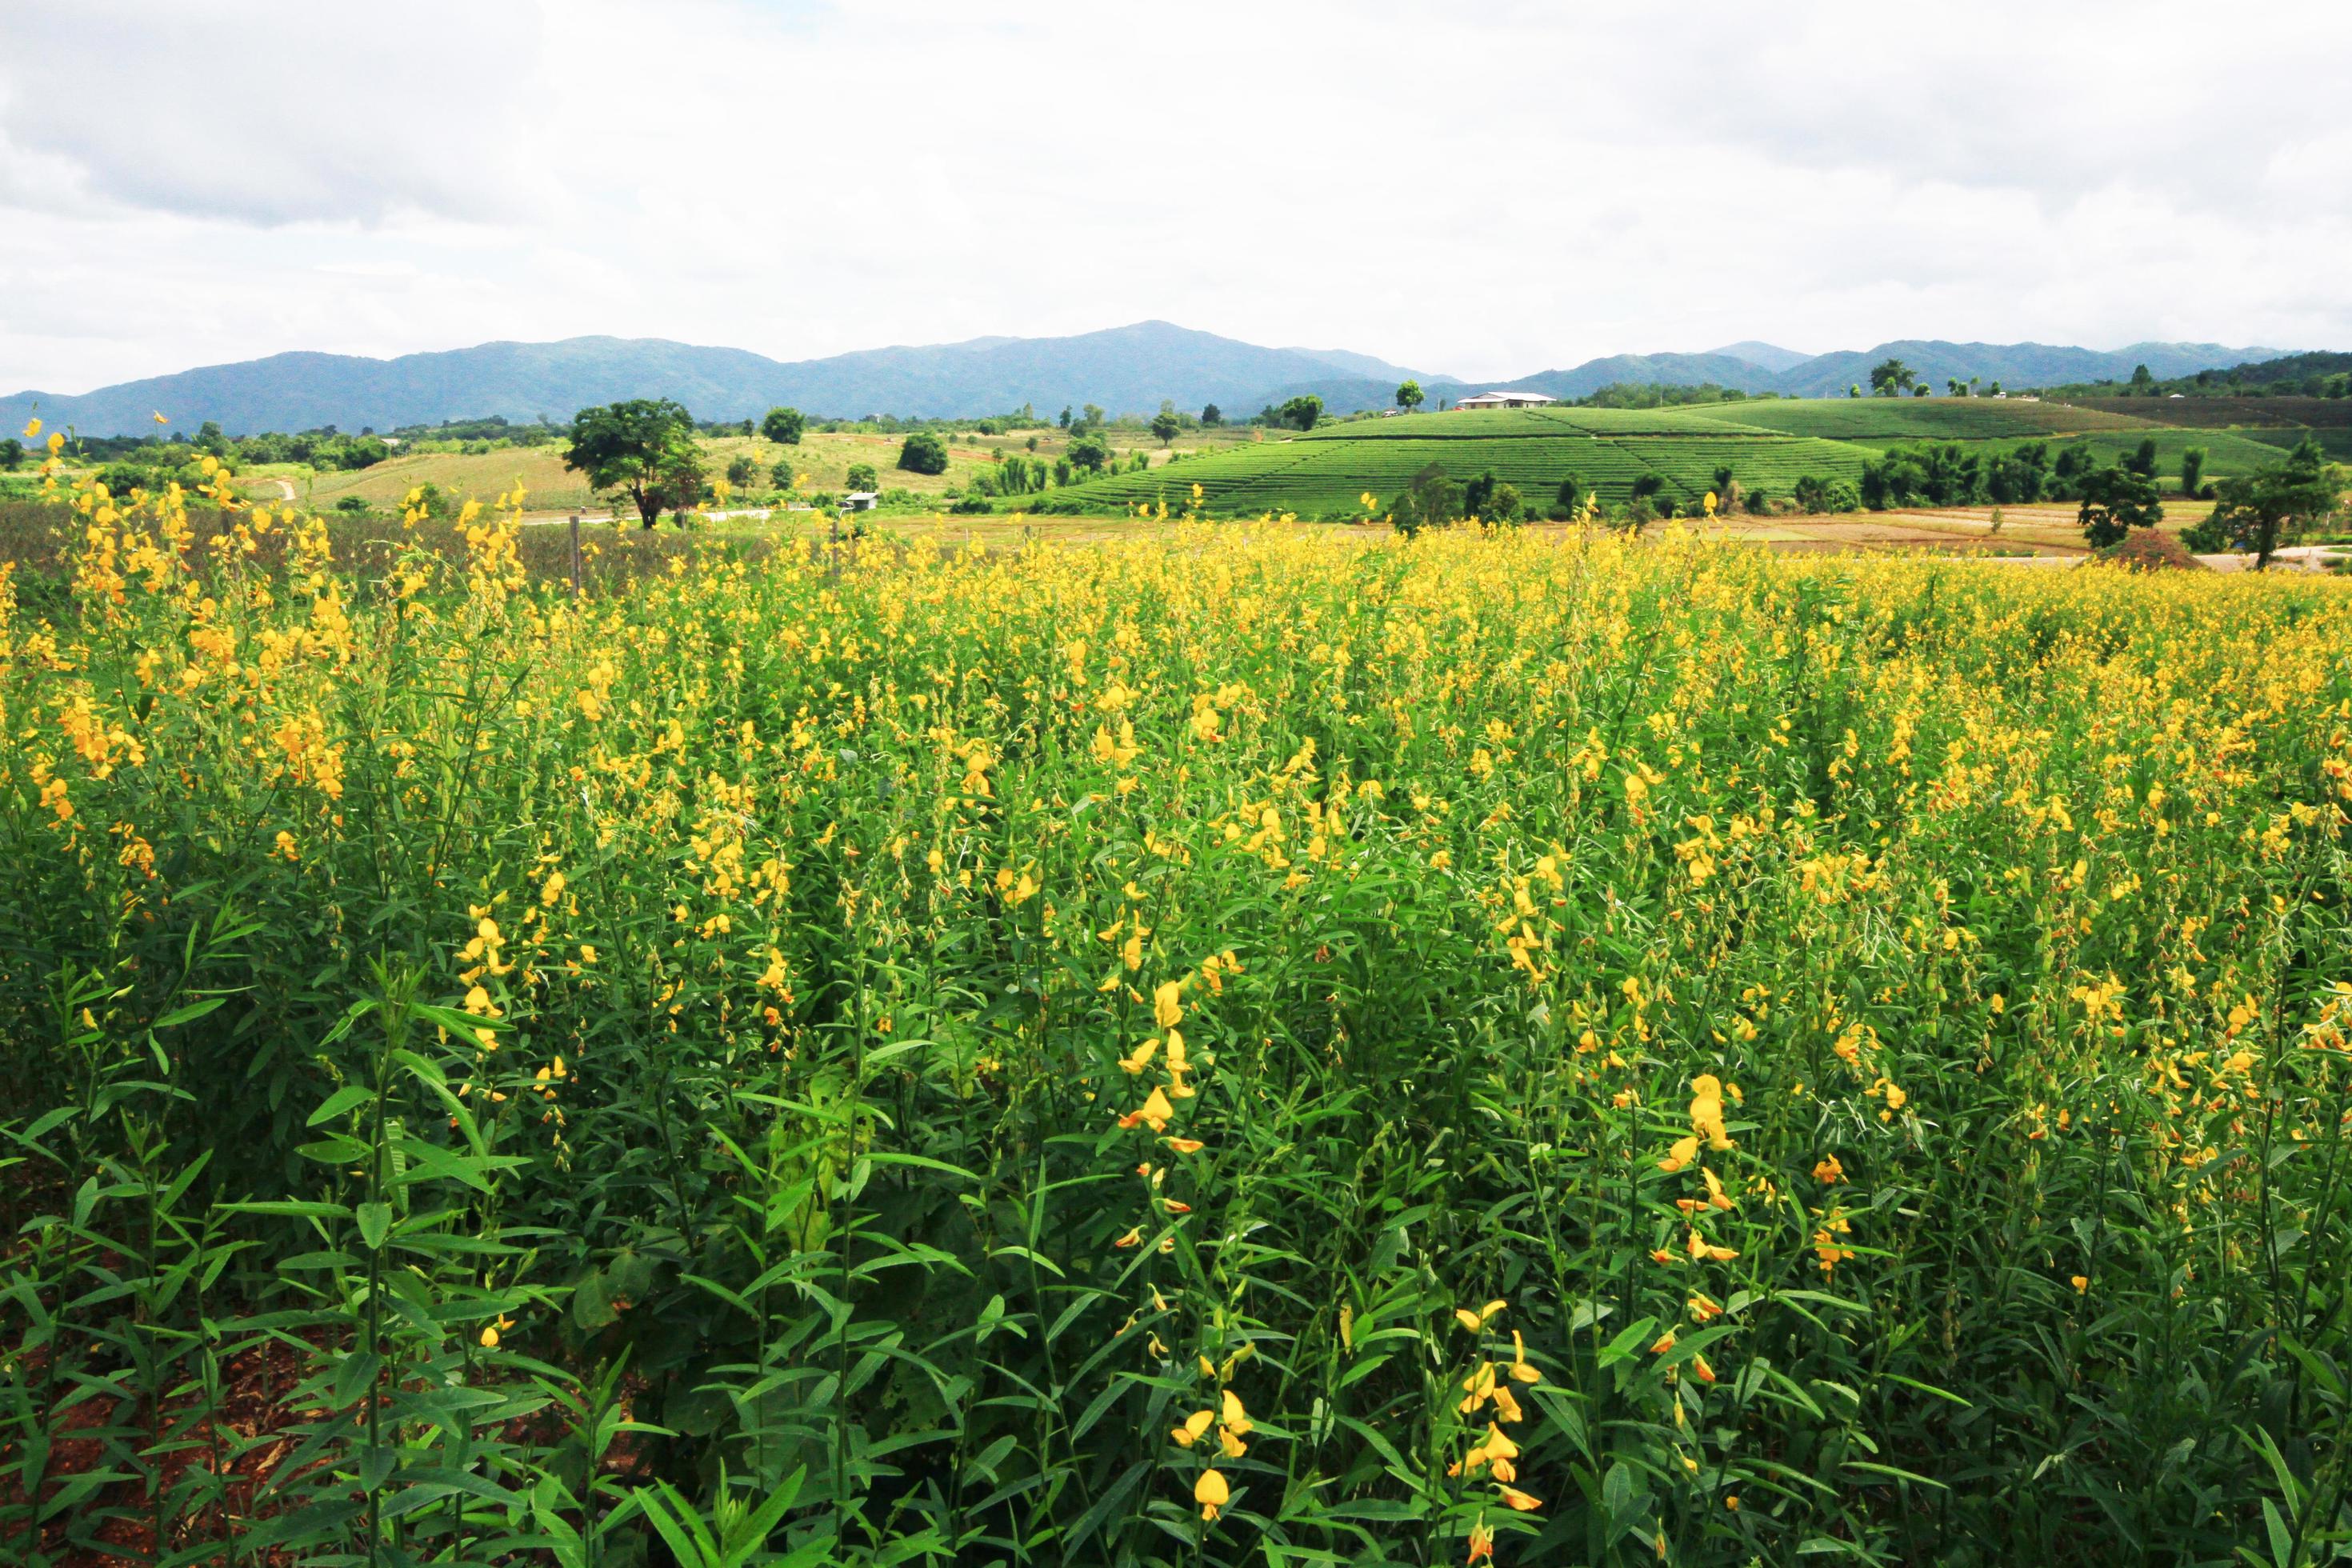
{"x": 1124, "y": 369}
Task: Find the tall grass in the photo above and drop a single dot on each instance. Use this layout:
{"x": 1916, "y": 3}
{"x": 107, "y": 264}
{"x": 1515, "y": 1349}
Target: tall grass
{"x": 1199, "y": 1052}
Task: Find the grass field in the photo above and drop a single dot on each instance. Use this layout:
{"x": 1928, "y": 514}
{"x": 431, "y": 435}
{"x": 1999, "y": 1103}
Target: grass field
{"x": 1211, "y": 1048}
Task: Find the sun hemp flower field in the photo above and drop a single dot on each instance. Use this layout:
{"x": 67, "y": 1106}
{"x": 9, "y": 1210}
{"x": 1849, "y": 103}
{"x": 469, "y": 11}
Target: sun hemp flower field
{"x": 1220, "y": 1048}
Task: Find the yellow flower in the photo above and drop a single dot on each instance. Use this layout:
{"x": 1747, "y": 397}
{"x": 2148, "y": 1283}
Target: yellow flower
{"x": 1165, "y": 1007}
{"x": 1521, "y": 1371}
{"x": 1706, "y": 1111}
{"x": 1195, "y": 1426}
{"x": 1211, "y": 1493}
{"x": 1473, "y": 1321}
{"x": 1522, "y": 1502}
{"x": 1156, "y": 1111}
{"x": 1685, "y": 1151}
{"x": 1828, "y": 1171}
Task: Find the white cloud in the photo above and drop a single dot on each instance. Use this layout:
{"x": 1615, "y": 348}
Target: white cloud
{"x": 1499, "y": 190}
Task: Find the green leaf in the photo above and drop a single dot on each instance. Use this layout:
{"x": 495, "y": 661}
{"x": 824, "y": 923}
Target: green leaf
{"x": 375, "y": 1223}
{"x": 343, "y": 1099}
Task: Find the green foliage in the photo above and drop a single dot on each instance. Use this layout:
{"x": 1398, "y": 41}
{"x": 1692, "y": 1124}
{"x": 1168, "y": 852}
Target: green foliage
{"x": 1890, "y": 376}
{"x": 1088, "y": 452}
{"x": 644, "y": 448}
{"x": 2261, "y": 510}
{"x": 2115, "y": 500}
{"x": 1409, "y": 396}
{"x": 863, "y": 476}
{"x": 923, "y": 453}
{"x": 783, "y": 426}
{"x": 1302, "y": 412}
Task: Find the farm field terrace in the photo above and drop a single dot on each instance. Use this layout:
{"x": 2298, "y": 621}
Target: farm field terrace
{"x": 1767, "y": 444}
{"x": 1210, "y": 1048}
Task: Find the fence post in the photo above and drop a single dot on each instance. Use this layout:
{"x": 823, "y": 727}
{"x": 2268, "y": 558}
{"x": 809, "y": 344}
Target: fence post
{"x": 575, "y": 556}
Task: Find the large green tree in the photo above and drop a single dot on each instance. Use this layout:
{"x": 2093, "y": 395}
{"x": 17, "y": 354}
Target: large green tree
{"x": 645, "y": 446}
{"x": 2271, "y": 506}
{"x": 2114, "y": 501}
{"x": 1409, "y": 396}
{"x": 1890, "y": 376}
{"x": 1302, "y": 412}
{"x": 783, "y": 426}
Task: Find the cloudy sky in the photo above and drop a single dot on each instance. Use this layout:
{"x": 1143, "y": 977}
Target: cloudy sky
{"x": 1487, "y": 189}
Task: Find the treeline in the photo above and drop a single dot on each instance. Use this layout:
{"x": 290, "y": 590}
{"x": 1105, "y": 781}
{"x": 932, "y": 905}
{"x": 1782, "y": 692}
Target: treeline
{"x": 1434, "y": 500}
{"x": 1664, "y": 395}
{"x": 2318, "y": 374}
{"x": 1955, "y": 473}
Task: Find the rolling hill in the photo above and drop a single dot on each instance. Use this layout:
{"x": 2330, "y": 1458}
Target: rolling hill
{"x": 1123, "y": 369}
{"x": 1126, "y": 369}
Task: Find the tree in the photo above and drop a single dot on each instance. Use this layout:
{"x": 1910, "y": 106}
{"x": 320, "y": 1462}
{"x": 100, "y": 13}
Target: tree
{"x": 2143, "y": 462}
{"x": 1995, "y": 389}
{"x": 2114, "y": 501}
{"x": 741, "y": 470}
{"x": 1854, "y": 390}
{"x": 1505, "y": 505}
{"x": 861, "y": 477}
{"x": 1889, "y": 376}
{"x": 1478, "y": 496}
{"x": 1569, "y": 500}
{"x": 12, "y": 454}
{"x": 782, "y": 475}
{"x": 1409, "y": 396}
{"x": 1089, "y": 451}
{"x": 645, "y": 446}
{"x": 1065, "y": 420}
{"x": 1430, "y": 500}
{"x": 784, "y": 426}
{"x": 923, "y": 453}
{"x": 2192, "y": 472}
{"x": 1211, "y": 415}
{"x": 1165, "y": 425}
{"x": 2142, "y": 383}
{"x": 1301, "y": 412}
{"x": 2015, "y": 477}
{"x": 2261, "y": 510}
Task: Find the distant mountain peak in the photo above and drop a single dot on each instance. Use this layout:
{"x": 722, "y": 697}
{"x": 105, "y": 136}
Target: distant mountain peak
{"x": 1771, "y": 356}
{"x": 1126, "y": 370}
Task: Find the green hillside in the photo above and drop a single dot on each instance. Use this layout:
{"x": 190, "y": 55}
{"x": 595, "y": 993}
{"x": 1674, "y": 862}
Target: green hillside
{"x": 1883, "y": 421}
{"x": 1768, "y": 444}
{"x": 1324, "y": 473}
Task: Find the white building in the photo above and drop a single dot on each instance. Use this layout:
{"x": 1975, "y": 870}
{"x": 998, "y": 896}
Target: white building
{"x": 1505, "y": 400}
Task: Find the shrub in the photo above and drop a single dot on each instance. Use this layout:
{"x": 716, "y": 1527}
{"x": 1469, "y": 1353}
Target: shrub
{"x": 923, "y": 453}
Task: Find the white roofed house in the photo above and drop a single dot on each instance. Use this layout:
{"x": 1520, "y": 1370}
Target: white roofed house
{"x": 1505, "y": 400}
